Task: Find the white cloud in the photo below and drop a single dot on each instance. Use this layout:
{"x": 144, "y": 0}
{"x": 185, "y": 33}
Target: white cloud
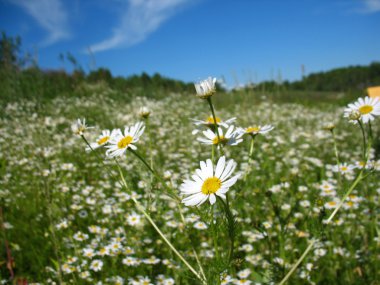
{"x": 371, "y": 6}
{"x": 367, "y": 7}
{"x": 141, "y": 18}
{"x": 50, "y": 15}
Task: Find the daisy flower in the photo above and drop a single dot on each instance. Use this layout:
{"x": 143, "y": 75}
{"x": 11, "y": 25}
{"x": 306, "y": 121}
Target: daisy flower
{"x": 205, "y": 88}
{"x": 208, "y": 182}
{"x": 100, "y": 141}
{"x": 119, "y": 142}
{"x": 210, "y": 122}
{"x": 96, "y": 265}
{"x": 79, "y": 127}
{"x": 343, "y": 168}
{"x": 332, "y": 204}
{"x": 231, "y": 137}
{"x": 367, "y": 107}
{"x": 255, "y": 130}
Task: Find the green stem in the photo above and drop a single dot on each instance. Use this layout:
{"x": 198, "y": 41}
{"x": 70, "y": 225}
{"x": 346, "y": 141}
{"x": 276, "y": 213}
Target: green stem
{"x": 357, "y": 180}
{"x": 213, "y": 154}
{"x": 298, "y": 262}
{"x": 250, "y": 156}
{"x": 192, "y": 243}
{"x": 151, "y": 162}
{"x": 231, "y": 227}
{"x": 142, "y": 210}
{"x": 213, "y": 116}
{"x": 337, "y": 158}
{"x": 294, "y": 267}
{"x": 214, "y": 232}
{"x": 159, "y": 178}
{"x": 364, "y": 138}
{"x": 215, "y": 124}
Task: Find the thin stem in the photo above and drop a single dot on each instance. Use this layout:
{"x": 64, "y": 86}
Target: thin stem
{"x": 294, "y": 267}
{"x": 364, "y": 138}
{"x": 231, "y": 227}
{"x": 366, "y": 151}
{"x": 99, "y": 157}
{"x": 213, "y": 154}
{"x": 142, "y": 210}
{"x": 162, "y": 181}
{"x": 214, "y": 231}
{"x": 151, "y": 161}
{"x": 215, "y": 124}
{"x": 214, "y": 117}
{"x": 298, "y": 262}
{"x": 191, "y": 241}
{"x": 357, "y": 180}
{"x": 337, "y": 157}
{"x": 250, "y": 156}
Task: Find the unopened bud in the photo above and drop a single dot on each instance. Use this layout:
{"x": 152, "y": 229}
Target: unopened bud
{"x": 329, "y": 126}
{"x": 354, "y": 115}
{"x": 144, "y": 112}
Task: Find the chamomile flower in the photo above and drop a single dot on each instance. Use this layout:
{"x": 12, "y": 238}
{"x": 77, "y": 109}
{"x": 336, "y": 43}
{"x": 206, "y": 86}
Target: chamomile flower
{"x": 343, "y": 168}
{"x": 133, "y": 219}
{"x": 231, "y": 137}
{"x": 209, "y": 182}
{"x": 367, "y": 107}
{"x": 96, "y": 265}
{"x": 255, "y": 130}
{"x": 200, "y": 225}
{"x": 327, "y": 189}
{"x": 205, "y": 88}
{"x": 210, "y": 123}
{"x": 100, "y": 141}
{"x": 332, "y": 204}
{"x": 79, "y": 127}
{"x": 120, "y": 142}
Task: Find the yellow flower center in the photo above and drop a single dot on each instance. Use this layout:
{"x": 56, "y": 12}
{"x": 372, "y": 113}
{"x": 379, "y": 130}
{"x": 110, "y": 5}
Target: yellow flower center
{"x": 103, "y": 140}
{"x": 365, "y": 109}
{"x": 252, "y": 130}
{"x": 210, "y": 120}
{"x": 332, "y": 203}
{"x": 344, "y": 168}
{"x": 124, "y": 142}
{"x": 220, "y": 139}
{"x": 350, "y": 203}
{"x": 211, "y": 185}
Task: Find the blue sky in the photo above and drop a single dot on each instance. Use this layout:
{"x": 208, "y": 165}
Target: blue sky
{"x": 240, "y": 40}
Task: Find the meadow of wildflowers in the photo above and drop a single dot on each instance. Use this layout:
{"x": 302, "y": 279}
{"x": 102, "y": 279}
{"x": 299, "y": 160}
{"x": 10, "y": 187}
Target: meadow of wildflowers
{"x": 189, "y": 190}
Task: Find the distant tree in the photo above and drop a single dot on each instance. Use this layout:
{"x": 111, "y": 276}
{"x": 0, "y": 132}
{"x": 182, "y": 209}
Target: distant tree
{"x": 101, "y": 74}
{"x": 9, "y": 51}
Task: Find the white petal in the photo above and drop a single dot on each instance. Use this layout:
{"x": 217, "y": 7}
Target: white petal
{"x": 212, "y": 199}
{"x": 228, "y": 170}
{"x": 220, "y": 166}
{"x": 210, "y": 170}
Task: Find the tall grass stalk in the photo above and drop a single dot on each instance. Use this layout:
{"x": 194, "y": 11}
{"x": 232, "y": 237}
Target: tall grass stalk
{"x": 366, "y": 150}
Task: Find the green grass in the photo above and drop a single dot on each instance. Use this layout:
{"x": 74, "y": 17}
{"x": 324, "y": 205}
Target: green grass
{"x": 47, "y": 177}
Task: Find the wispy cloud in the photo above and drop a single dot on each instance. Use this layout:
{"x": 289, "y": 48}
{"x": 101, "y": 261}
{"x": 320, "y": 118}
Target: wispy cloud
{"x": 371, "y": 6}
{"x": 50, "y": 15}
{"x": 141, "y": 18}
{"x": 362, "y": 6}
